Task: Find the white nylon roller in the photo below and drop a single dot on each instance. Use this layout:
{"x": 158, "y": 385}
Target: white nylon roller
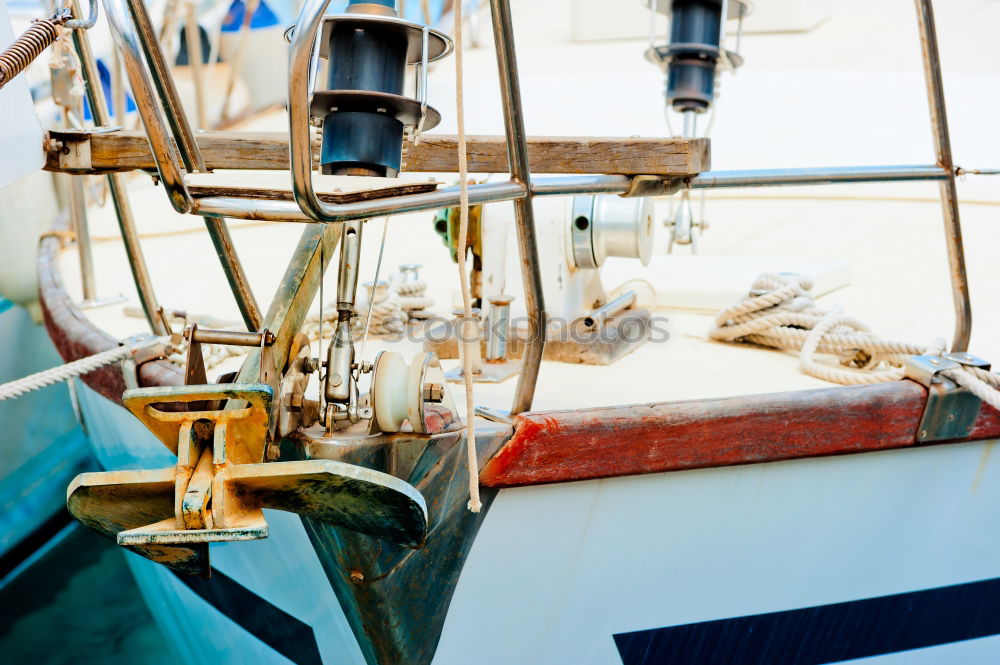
{"x": 390, "y": 391}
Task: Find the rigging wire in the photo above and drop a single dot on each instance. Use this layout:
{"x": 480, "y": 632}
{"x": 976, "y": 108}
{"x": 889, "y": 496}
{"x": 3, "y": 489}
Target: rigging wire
{"x": 371, "y": 298}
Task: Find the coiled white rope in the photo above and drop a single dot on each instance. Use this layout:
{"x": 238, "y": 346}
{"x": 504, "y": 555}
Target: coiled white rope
{"x": 780, "y": 312}
{"x": 390, "y": 309}
{"x": 62, "y": 373}
{"x": 212, "y": 354}
{"x": 392, "y": 306}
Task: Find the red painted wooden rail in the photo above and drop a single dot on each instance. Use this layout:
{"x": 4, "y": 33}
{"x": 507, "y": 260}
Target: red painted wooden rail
{"x": 560, "y": 446}
{"x": 75, "y": 337}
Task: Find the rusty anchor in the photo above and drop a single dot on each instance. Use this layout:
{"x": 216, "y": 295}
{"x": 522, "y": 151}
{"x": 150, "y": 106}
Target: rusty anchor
{"x": 220, "y": 485}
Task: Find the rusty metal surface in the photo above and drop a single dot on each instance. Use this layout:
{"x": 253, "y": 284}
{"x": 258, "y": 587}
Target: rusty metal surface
{"x": 230, "y": 337}
{"x": 110, "y": 504}
{"x": 245, "y": 426}
{"x": 396, "y": 599}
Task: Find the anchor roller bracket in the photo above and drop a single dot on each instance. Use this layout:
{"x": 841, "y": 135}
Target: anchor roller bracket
{"x": 220, "y": 485}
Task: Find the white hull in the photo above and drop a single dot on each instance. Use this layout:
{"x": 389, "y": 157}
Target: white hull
{"x": 557, "y": 571}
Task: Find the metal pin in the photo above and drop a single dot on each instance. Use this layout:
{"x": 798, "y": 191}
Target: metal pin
{"x": 609, "y": 310}
{"x": 468, "y": 334}
{"x": 498, "y": 328}
{"x": 410, "y": 272}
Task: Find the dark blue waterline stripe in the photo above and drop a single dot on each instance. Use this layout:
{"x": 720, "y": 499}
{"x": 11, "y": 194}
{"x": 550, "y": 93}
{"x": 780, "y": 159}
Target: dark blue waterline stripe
{"x": 31, "y": 543}
{"x": 292, "y": 638}
{"x": 826, "y": 633}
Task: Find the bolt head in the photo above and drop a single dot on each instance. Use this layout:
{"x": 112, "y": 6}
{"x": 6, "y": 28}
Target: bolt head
{"x": 433, "y": 392}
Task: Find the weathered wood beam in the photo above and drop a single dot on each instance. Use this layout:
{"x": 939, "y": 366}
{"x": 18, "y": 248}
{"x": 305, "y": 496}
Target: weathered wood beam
{"x": 575, "y": 155}
{"x": 128, "y": 150}
{"x": 562, "y": 446}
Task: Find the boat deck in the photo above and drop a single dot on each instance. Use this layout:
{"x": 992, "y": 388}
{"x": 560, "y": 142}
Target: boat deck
{"x": 786, "y": 107}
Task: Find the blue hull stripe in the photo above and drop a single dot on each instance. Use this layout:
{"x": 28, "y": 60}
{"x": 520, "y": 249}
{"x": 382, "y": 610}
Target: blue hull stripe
{"x": 292, "y": 638}
{"x": 826, "y": 633}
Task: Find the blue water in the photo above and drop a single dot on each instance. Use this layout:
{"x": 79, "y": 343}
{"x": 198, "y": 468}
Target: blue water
{"x": 66, "y": 594}
{"x": 77, "y": 603}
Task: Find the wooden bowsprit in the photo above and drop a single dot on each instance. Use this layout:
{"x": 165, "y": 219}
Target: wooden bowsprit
{"x": 220, "y": 485}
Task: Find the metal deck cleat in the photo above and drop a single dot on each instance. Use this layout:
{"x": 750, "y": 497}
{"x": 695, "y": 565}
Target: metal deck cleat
{"x": 220, "y": 485}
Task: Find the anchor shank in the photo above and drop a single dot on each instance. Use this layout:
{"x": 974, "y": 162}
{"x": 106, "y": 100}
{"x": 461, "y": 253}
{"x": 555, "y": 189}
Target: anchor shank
{"x": 295, "y": 295}
{"x": 194, "y": 506}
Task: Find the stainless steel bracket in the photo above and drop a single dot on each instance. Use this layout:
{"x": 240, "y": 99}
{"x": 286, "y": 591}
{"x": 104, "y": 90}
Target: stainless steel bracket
{"x": 494, "y": 415}
{"x": 951, "y": 410}
{"x": 653, "y": 185}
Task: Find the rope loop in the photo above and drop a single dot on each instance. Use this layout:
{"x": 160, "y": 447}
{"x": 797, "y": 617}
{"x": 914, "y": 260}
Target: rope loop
{"x": 780, "y": 312}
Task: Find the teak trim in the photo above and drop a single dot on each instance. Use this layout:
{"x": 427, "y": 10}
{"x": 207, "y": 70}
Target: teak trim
{"x": 122, "y": 150}
{"x": 561, "y": 446}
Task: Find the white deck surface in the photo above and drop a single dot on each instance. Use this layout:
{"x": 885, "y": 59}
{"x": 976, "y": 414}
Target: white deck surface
{"x": 849, "y": 92}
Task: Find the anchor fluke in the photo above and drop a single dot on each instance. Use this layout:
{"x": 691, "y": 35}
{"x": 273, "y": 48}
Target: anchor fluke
{"x": 113, "y": 502}
{"x": 355, "y": 497}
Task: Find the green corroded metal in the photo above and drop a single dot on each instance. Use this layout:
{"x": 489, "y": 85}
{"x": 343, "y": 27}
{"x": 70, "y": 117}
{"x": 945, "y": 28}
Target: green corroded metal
{"x": 396, "y": 599}
{"x": 447, "y": 223}
{"x": 115, "y": 501}
{"x": 353, "y": 497}
{"x": 295, "y": 295}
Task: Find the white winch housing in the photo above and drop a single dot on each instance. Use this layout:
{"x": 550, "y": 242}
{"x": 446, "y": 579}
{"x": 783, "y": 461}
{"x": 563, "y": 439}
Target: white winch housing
{"x": 575, "y": 236}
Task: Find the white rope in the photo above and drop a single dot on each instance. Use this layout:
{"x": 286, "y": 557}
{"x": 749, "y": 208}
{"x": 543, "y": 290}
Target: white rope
{"x": 213, "y": 354}
{"x": 475, "y": 505}
{"x": 383, "y": 312}
{"x": 984, "y": 390}
{"x": 62, "y": 373}
{"x": 779, "y": 312}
